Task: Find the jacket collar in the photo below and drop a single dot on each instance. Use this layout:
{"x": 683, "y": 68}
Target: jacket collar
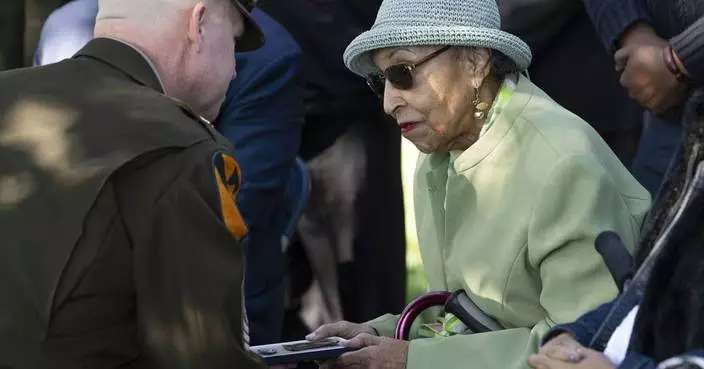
{"x": 124, "y": 57}
{"x": 525, "y": 91}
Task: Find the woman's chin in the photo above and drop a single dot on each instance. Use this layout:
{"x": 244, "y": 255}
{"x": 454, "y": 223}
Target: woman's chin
{"x": 423, "y": 147}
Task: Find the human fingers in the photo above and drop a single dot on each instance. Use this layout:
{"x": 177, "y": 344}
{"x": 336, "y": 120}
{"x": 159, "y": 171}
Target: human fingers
{"x": 342, "y": 329}
{"x": 566, "y": 352}
{"x": 363, "y": 340}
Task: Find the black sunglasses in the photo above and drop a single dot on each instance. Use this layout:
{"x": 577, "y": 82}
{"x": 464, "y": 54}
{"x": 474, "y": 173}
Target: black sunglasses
{"x": 399, "y": 75}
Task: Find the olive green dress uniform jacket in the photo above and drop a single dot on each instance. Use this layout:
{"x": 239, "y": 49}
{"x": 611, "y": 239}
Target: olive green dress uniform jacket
{"x": 512, "y": 221}
{"x": 119, "y": 234}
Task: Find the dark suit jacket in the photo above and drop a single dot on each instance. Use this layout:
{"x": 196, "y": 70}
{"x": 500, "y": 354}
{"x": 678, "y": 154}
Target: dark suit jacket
{"x": 120, "y": 232}
{"x": 262, "y": 116}
{"x": 335, "y": 98}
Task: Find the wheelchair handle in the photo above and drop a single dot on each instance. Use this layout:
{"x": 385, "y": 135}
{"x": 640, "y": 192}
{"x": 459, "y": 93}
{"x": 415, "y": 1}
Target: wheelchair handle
{"x": 458, "y": 304}
{"x": 415, "y": 308}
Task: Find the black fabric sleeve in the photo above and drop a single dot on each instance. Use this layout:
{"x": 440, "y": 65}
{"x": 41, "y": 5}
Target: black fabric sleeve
{"x": 612, "y": 18}
{"x": 689, "y": 46}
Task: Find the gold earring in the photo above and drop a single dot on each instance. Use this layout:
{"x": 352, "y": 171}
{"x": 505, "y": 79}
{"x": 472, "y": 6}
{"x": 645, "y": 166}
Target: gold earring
{"x": 480, "y": 108}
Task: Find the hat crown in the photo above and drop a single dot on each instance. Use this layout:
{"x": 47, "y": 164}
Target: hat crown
{"x": 410, "y": 13}
{"x": 404, "y": 23}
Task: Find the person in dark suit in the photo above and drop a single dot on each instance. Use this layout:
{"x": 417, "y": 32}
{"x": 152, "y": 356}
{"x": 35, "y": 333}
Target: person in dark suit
{"x": 567, "y": 56}
{"x": 658, "y": 47}
{"x": 120, "y": 228}
{"x": 262, "y": 115}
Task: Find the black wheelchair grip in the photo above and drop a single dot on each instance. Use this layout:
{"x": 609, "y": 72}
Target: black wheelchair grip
{"x": 616, "y": 257}
{"x": 461, "y": 306}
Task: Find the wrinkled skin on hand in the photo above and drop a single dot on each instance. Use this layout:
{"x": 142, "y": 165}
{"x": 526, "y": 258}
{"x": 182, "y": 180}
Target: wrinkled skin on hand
{"x": 590, "y": 360}
{"x": 341, "y": 329}
{"x": 563, "y": 347}
{"x": 371, "y": 352}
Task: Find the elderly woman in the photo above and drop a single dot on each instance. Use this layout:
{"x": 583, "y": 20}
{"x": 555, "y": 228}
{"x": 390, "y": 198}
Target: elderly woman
{"x": 510, "y": 192}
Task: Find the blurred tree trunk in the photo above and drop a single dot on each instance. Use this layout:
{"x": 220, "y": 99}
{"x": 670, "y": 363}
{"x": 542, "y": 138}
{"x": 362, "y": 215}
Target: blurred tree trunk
{"x": 12, "y": 24}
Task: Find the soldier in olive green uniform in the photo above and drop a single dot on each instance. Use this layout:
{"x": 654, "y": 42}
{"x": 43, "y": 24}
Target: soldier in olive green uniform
{"x": 120, "y": 237}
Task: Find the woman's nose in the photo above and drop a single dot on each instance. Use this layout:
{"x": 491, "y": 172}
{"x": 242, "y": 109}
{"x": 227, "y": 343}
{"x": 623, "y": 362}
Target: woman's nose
{"x": 392, "y": 99}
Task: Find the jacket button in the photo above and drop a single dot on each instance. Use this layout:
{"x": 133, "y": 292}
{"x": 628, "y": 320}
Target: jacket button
{"x": 432, "y": 189}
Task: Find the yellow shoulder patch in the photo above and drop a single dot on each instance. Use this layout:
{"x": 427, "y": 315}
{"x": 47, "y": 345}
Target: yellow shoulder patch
{"x": 227, "y": 177}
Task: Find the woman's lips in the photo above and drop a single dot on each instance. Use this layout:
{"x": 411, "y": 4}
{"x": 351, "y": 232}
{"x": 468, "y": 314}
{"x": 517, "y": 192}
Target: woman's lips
{"x": 407, "y": 127}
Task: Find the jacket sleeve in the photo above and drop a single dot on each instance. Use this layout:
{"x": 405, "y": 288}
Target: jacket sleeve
{"x": 634, "y": 360}
{"x": 612, "y": 18}
{"x": 189, "y": 269}
{"x": 584, "y": 328}
{"x": 689, "y": 46}
{"x": 385, "y": 325}
{"x": 577, "y": 202}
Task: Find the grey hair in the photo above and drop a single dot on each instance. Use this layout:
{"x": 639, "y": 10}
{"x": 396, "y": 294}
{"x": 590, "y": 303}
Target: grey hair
{"x": 501, "y": 65}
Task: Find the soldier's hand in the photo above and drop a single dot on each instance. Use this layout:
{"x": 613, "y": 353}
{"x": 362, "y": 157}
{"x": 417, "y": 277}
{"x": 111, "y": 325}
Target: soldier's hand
{"x": 342, "y": 329}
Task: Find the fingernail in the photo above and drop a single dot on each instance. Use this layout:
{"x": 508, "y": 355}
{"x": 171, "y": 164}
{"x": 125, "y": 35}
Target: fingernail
{"x": 310, "y": 337}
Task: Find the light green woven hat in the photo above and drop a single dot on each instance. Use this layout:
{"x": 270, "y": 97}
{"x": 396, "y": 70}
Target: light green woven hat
{"x": 434, "y": 22}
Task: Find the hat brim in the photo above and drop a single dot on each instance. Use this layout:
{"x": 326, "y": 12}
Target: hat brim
{"x": 252, "y": 37}
{"x": 358, "y": 55}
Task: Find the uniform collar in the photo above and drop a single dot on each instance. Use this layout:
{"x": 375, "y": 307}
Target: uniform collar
{"x": 126, "y": 58}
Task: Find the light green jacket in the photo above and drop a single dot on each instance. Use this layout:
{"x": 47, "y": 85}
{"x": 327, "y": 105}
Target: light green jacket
{"x": 513, "y": 222}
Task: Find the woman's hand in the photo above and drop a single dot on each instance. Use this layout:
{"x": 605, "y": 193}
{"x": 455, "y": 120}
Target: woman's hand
{"x": 563, "y": 347}
{"x": 372, "y": 352}
{"x": 283, "y": 366}
{"x": 340, "y": 329}
{"x": 591, "y": 360}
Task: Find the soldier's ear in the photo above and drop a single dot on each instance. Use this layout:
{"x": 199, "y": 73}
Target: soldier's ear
{"x": 196, "y": 23}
